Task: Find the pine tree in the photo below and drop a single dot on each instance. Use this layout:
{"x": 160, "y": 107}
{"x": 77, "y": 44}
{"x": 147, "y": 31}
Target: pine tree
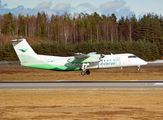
{"x": 156, "y": 29}
{"x": 154, "y": 51}
{"x": 134, "y": 26}
{"x": 121, "y": 29}
{"x": 146, "y": 27}
{"x": 21, "y": 30}
{"x": 43, "y": 32}
{"x": 8, "y": 24}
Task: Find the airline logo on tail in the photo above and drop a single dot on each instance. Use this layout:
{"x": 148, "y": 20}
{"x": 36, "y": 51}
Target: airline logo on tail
{"x": 23, "y": 50}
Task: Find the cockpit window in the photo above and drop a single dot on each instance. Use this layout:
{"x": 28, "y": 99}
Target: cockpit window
{"x": 132, "y": 56}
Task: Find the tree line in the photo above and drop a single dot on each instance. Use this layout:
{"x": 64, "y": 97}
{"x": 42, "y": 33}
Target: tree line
{"x": 147, "y": 51}
{"x": 69, "y": 30}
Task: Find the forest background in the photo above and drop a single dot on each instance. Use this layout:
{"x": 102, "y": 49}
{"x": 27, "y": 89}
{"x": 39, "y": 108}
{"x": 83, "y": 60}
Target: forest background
{"x": 64, "y": 35}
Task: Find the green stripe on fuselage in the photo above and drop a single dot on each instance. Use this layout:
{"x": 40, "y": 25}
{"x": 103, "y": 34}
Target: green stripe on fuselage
{"x": 51, "y": 67}
{"x": 33, "y": 62}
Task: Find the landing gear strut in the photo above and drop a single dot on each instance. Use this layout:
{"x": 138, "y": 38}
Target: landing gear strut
{"x": 138, "y": 68}
{"x": 84, "y": 67}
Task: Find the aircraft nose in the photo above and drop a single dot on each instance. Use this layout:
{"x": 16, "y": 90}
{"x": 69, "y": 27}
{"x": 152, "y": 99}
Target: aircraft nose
{"x": 144, "y": 62}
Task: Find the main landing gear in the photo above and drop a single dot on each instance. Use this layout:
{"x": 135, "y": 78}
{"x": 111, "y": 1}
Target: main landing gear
{"x": 84, "y": 67}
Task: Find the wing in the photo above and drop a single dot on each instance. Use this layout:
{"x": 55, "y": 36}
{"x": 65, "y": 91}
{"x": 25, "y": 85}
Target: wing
{"x": 81, "y": 56}
{"x": 84, "y": 58}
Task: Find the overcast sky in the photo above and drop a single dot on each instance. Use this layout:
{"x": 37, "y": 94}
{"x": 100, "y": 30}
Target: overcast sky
{"x": 118, "y": 7}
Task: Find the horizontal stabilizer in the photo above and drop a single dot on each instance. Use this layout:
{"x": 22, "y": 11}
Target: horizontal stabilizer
{"x": 17, "y": 40}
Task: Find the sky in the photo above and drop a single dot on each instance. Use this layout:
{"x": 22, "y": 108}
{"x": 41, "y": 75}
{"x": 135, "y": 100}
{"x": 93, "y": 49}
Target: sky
{"x": 118, "y": 7}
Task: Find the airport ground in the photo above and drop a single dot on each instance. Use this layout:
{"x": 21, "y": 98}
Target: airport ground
{"x": 130, "y": 73}
{"x": 81, "y": 104}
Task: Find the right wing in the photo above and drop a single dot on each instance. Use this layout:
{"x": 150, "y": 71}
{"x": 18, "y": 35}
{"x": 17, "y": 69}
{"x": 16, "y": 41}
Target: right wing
{"x": 84, "y": 58}
{"x": 81, "y": 56}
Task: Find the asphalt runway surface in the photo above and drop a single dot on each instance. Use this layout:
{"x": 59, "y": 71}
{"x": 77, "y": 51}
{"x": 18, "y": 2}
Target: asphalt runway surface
{"x": 81, "y": 84}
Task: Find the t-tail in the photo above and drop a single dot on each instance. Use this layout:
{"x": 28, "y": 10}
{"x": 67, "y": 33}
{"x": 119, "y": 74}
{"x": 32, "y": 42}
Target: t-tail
{"x": 25, "y": 53}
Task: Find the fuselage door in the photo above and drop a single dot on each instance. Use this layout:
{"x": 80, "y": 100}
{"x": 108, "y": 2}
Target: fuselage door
{"x": 101, "y": 62}
{"x": 118, "y": 61}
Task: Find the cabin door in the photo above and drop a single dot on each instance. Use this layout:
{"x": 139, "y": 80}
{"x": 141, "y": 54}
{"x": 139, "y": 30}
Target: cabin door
{"x": 118, "y": 61}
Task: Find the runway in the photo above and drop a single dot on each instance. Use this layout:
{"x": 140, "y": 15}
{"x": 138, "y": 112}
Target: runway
{"x": 81, "y": 84}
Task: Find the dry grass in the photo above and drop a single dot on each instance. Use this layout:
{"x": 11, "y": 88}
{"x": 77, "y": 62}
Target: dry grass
{"x": 32, "y": 40}
{"x": 31, "y": 74}
{"x": 88, "y": 104}
{"x": 81, "y": 104}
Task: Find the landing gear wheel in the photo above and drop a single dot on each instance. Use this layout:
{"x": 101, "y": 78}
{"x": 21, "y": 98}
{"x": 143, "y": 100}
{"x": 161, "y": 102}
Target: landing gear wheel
{"x": 87, "y": 72}
{"x": 83, "y": 73}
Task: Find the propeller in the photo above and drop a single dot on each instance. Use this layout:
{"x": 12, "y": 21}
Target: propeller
{"x": 102, "y": 56}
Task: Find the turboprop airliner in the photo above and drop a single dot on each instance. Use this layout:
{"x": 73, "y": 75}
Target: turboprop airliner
{"x": 79, "y": 61}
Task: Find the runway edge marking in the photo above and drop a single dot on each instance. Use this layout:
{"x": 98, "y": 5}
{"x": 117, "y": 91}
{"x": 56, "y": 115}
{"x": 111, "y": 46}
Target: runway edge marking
{"x": 160, "y": 84}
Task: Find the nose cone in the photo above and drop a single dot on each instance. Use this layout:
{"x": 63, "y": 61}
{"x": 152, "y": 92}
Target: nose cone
{"x": 143, "y": 62}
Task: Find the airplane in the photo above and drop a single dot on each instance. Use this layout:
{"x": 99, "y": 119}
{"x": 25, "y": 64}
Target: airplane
{"x": 79, "y": 61}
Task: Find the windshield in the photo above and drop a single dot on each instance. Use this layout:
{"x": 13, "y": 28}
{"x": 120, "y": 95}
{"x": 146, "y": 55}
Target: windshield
{"x": 132, "y": 56}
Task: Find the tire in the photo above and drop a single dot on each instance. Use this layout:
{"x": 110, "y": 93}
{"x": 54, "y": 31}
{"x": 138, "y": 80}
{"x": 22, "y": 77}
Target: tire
{"x": 83, "y": 73}
{"x": 87, "y": 72}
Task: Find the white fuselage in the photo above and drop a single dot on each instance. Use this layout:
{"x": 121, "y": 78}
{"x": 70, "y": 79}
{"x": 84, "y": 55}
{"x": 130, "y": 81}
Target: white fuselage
{"x": 108, "y": 61}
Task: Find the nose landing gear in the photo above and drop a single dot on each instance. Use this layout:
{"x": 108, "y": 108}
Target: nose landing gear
{"x": 138, "y": 68}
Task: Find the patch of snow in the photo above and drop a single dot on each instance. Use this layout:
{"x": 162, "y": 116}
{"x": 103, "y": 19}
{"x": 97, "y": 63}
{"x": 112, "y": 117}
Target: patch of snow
{"x": 156, "y": 61}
